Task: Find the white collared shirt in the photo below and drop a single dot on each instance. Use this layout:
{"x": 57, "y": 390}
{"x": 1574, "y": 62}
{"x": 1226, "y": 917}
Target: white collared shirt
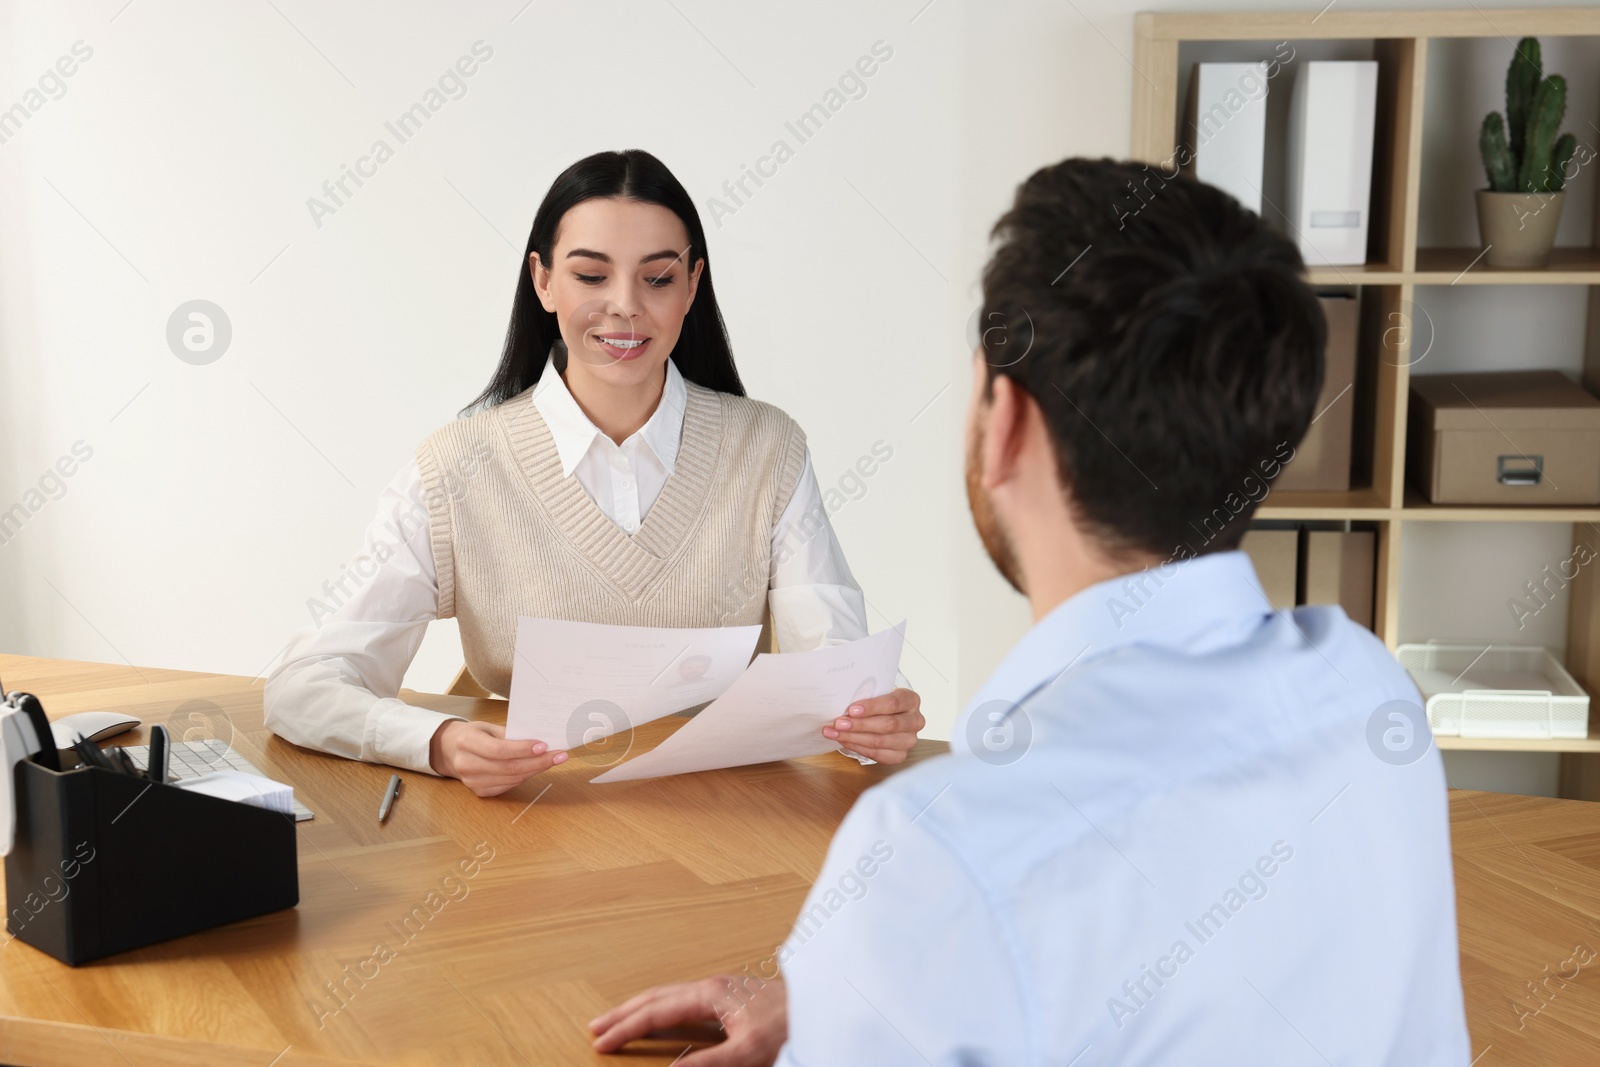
{"x": 1175, "y": 828}
{"x": 624, "y": 480}
{"x": 334, "y": 687}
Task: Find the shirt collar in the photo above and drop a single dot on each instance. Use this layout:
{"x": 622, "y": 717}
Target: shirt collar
{"x": 574, "y": 434}
{"x": 1164, "y": 606}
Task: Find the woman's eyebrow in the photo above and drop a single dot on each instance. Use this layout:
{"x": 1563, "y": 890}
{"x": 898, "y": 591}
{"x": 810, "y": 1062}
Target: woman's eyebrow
{"x": 585, "y": 253}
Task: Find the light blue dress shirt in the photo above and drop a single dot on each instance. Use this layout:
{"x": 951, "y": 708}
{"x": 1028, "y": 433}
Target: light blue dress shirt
{"x": 1176, "y": 827}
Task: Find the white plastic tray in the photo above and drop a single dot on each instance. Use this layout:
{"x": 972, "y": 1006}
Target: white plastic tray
{"x": 1497, "y": 691}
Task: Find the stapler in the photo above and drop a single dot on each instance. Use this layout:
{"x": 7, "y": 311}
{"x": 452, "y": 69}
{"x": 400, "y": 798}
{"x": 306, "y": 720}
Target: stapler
{"x": 23, "y": 725}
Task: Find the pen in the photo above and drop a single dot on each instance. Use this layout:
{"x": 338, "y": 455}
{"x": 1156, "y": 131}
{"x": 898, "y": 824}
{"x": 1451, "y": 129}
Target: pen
{"x": 91, "y": 755}
{"x": 388, "y": 797}
{"x": 125, "y": 761}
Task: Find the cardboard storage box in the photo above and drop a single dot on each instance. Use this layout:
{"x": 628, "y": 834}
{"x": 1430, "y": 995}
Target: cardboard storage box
{"x": 1515, "y": 437}
{"x": 1321, "y": 461}
{"x": 1339, "y": 568}
{"x": 1275, "y": 554}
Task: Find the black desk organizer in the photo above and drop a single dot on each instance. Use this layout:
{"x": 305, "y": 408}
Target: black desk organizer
{"x": 104, "y": 862}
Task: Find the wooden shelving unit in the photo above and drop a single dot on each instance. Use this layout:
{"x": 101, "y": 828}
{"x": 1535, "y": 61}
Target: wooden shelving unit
{"x": 1388, "y": 281}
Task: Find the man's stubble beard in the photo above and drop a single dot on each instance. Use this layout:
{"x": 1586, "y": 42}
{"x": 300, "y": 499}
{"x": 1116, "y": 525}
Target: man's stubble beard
{"x": 991, "y": 531}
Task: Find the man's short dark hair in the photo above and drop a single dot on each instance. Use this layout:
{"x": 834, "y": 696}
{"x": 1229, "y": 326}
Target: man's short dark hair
{"x": 1170, "y": 340}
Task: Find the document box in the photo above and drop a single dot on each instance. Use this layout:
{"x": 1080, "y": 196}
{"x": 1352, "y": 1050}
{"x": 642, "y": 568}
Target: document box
{"x": 1275, "y": 554}
{"x": 1321, "y": 462}
{"x": 1515, "y": 437}
{"x": 1339, "y": 567}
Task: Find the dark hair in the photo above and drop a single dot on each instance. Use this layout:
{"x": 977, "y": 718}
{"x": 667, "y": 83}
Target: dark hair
{"x": 1170, "y": 341}
{"x": 703, "y": 354}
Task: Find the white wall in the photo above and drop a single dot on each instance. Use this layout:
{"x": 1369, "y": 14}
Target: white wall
{"x": 177, "y": 166}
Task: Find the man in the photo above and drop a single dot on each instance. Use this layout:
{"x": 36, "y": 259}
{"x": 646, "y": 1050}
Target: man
{"x": 1176, "y": 827}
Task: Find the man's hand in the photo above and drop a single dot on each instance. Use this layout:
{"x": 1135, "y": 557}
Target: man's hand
{"x": 754, "y": 1014}
{"x": 479, "y": 754}
{"x": 880, "y": 728}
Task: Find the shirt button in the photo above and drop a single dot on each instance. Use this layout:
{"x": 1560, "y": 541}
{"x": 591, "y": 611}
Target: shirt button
{"x": 630, "y": 525}
{"x": 626, "y": 483}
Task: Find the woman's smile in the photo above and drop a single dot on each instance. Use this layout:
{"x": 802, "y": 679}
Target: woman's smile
{"x": 622, "y": 347}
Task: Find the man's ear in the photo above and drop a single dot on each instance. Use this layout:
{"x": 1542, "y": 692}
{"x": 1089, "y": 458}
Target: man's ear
{"x": 541, "y": 281}
{"x": 1005, "y": 424}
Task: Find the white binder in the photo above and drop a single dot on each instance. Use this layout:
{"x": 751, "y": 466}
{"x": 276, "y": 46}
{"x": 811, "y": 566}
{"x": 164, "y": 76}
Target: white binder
{"x": 1225, "y": 121}
{"x": 1331, "y": 112}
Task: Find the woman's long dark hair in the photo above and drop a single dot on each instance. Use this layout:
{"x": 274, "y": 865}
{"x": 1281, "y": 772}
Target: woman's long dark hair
{"x": 703, "y": 354}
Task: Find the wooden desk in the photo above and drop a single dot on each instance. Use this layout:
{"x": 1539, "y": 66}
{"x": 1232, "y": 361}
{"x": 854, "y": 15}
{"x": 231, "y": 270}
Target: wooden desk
{"x": 595, "y": 892}
{"x": 592, "y": 894}
{"x": 1527, "y": 895}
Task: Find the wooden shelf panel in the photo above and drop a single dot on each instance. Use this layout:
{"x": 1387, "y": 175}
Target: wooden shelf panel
{"x": 1355, "y": 504}
{"x": 1307, "y": 507}
{"x": 1419, "y": 510}
{"x": 1517, "y": 744}
{"x": 1465, "y": 266}
{"x": 1335, "y": 25}
{"x": 1358, "y": 274}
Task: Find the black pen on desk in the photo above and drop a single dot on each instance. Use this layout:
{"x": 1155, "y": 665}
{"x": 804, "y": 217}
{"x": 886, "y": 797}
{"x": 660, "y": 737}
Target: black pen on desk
{"x": 388, "y": 797}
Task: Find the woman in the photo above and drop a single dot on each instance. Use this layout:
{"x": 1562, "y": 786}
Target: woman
{"x": 613, "y": 471}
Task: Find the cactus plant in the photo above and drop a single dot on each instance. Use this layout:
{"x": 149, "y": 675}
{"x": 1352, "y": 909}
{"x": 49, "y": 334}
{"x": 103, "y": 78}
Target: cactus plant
{"x": 1522, "y": 82}
{"x": 1566, "y": 145}
{"x": 1497, "y": 156}
{"x": 1521, "y": 153}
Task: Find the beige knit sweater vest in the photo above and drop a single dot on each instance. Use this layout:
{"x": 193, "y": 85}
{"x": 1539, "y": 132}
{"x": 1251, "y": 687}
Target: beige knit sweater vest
{"x": 512, "y": 536}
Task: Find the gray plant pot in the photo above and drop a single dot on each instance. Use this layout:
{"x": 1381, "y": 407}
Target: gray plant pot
{"x": 1519, "y": 229}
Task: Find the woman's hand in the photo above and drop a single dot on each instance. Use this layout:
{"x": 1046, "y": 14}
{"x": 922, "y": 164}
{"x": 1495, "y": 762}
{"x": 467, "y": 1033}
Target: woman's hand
{"x": 880, "y": 728}
{"x": 479, "y": 754}
{"x": 756, "y": 1019}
